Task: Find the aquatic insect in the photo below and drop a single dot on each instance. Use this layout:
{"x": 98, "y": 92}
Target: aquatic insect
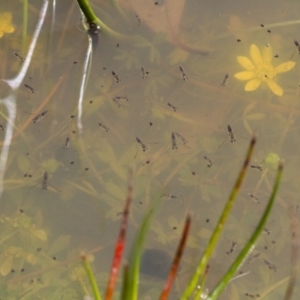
{"x": 146, "y": 162}
{"x": 67, "y": 143}
{"x": 19, "y": 56}
{"x": 251, "y": 258}
{"x": 256, "y": 167}
{"x": 39, "y": 117}
{"x": 266, "y": 231}
{"x": 172, "y": 106}
{"x": 255, "y": 198}
{"x": 116, "y": 77}
{"x": 210, "y": 162}
{"x": 138, "y": 19}
{"x": 144, "y": 148}
{"x": 183, "y": 140}
{"x": 2, "y": 127}
{"x": 231, "y": 248}
{"x": 168, "y": 196}
{"x": 231, "y": 134}
{"x": 297, "y": 45}
{"x": 253, "y": 296}
{"x": 225, "y": 80}
{"x": 174, "y": 143}
{"x": 103, "y": 126}
{"x": 270, "y": 265}
{"x": 45, "y": 181}
{"x": 119, "y": 99}
{"x": 144, "y": 73}
{"x": 184, "y": 76}
{"x": 31, "y": 89}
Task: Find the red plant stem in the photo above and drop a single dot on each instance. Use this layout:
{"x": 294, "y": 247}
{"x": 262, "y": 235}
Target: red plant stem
{"x": 173, "y": 271}
{"x": 119, "y": 246}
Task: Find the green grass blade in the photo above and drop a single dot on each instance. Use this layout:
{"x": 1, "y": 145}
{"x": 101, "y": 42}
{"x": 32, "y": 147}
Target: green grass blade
{"x": 92, "y": 18}
{"x": 125, "y": 284}
{"x": 135, "y": 257}
{"x": 136, "y": 252}
{"x": 91, "y": 277}
{"x": 250, "y": 244}
{"x": 199, "y": 293}
{"x": 219, "y": 227}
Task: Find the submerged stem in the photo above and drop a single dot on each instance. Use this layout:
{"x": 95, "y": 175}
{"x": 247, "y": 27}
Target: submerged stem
{"x": 219, "y": 227}
{"x": 91, "y": 18}
{"x": 251, "y": 243}
{"x": 91, "y": 277}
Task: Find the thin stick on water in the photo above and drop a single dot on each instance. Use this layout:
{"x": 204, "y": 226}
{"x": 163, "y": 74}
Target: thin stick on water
{"x": 295, "y": 243}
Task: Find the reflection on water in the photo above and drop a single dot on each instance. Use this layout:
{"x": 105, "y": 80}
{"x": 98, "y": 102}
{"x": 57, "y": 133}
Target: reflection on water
{"x": 164, "y": 103}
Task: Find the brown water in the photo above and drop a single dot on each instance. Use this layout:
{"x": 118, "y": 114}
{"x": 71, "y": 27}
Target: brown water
{"x": 44, "y": 230}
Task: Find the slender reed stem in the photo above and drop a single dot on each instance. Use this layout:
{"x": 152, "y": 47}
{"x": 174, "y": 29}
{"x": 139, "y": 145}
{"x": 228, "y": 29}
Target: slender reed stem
{"x": 174, "y": 268}
{"x": 120, "y": 245}
{"x": 91, "y": 277}
{"x": 250, "y": 244}
{"x": 24, "y": 27}
{"x": 219, "y": 227}
{"x": 93, "y": 19}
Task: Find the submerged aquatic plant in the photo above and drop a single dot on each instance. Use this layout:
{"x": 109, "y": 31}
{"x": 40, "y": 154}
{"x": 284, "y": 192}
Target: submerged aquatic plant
{"x": 261, "y": 70}
{"x": 94, "y": 23}
{"x": 6, "y": 24}
{"x": 130, "y": 281}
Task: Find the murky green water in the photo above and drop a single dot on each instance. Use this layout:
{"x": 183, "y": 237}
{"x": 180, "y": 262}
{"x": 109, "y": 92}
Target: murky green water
{"x": 160, "y": 122}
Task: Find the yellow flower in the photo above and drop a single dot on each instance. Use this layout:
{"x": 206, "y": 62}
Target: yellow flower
{"x": 261, "y": 70}
{"x": 5, "y": 24}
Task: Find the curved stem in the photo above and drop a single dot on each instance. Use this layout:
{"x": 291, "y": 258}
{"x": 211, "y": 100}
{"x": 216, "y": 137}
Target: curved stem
{"x": 93, "y": 19}
{"x": 119, "y": 9}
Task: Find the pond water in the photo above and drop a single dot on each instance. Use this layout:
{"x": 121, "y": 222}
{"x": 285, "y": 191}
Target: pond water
{"x": 158, "y": 102}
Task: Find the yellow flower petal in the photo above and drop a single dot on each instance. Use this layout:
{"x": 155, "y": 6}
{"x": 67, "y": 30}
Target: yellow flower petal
{"x": 261, "y": 69}
{"x": 267, "y": 54}
{"x": 274, "y": 87}
{"x": 246, "y": 75}
{"x": 252, "y": 85}
{"x": 9, "y": 29}
{"x": 5, "y": 23}
{"x": 255, "y": 55}
{"x": 245, "y": 63}
{"x": 284, "y": 67}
